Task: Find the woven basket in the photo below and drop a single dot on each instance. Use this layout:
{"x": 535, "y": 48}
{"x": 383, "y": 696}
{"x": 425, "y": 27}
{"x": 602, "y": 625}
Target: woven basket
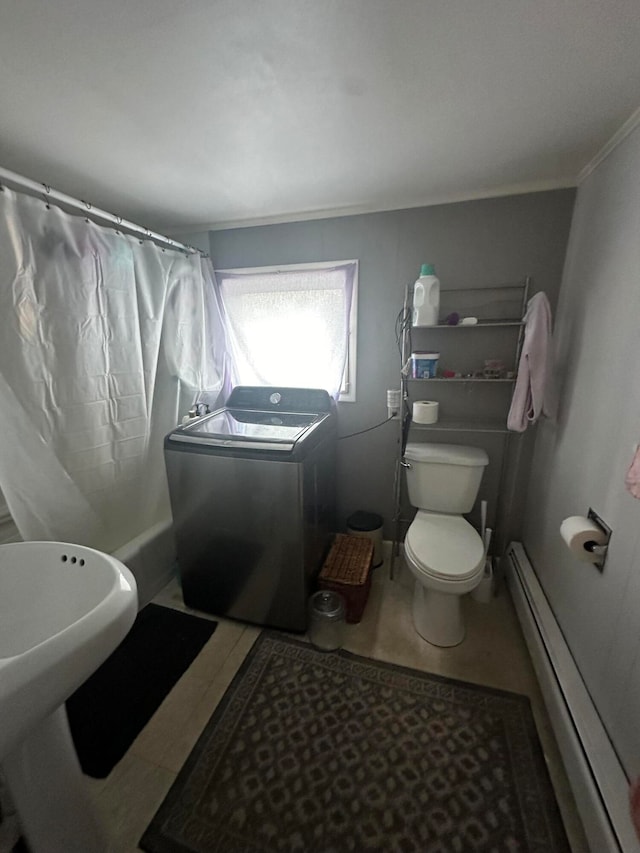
{"x": 347, "y": 570}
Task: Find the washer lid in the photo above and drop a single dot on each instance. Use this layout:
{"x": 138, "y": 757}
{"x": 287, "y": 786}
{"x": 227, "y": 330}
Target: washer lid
{"x": 446, "y": 454}
{"x": 445, "y": 546}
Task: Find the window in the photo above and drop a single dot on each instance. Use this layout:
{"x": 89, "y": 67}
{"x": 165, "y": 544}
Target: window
{"x": 293, "y": 325}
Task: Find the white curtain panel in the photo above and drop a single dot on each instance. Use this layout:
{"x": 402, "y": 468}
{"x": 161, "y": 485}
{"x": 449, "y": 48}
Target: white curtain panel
{"x": 105, "y": 342}
{"x": 289, "y": 327}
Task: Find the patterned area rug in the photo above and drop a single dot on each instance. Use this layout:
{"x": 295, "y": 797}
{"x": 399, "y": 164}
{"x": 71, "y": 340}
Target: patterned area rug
{"x": 327, "y": 752}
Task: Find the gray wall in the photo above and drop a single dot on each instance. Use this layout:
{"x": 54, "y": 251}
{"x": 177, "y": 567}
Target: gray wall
{"x": 581, "y": 461}
{"x": 472, "y": 244}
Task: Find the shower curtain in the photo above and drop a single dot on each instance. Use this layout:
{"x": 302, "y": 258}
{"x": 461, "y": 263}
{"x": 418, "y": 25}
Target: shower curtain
{"x": 105, "y": 342}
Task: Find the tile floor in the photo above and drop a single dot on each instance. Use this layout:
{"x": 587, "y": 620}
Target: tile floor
{"x": 494, "y": 653}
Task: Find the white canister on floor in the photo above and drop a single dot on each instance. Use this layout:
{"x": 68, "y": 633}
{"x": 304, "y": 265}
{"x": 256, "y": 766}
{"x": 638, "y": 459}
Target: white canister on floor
{"x": 327, "y": 620}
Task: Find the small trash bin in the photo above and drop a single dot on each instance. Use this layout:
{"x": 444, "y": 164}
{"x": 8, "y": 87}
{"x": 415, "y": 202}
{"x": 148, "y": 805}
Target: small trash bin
{"x": 326, "y": 620}
{"x": 368, "y": 525}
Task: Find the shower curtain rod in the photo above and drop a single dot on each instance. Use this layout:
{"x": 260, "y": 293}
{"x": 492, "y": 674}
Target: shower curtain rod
{"x": 18, "y": 182}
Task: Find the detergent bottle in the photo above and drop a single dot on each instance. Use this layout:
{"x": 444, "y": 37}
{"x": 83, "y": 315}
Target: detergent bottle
{"x": 426, "y": 298}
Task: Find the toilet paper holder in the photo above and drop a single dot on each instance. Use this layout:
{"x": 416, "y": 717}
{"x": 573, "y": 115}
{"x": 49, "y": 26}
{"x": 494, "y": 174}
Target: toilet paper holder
{"x": 600, "y": 550}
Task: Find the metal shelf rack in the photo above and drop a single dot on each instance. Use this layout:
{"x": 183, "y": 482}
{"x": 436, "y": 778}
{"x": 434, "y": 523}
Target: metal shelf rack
{"x": 496, "y": 427}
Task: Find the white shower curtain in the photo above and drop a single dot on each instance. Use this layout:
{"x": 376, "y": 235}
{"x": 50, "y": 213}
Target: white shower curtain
{"x": 105, "y": 342}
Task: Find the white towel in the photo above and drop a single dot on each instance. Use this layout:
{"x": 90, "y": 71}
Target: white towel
{"x": 532, "y": 395}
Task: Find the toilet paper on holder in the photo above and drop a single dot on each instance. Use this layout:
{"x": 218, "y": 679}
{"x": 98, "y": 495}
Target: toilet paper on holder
{"x": 425, "y": 412}
{"x": 587, "y": 538}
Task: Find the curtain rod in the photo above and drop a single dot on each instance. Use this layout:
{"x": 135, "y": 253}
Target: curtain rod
{"x": 18, "y": 182}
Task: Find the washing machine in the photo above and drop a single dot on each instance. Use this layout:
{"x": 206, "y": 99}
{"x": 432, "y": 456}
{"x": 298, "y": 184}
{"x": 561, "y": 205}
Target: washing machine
{"x": 252, "y": 488}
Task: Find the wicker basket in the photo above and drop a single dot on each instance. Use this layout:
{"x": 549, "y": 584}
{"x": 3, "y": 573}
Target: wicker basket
{"x": 347, "y": 570}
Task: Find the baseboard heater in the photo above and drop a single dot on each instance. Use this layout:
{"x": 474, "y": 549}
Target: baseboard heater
{"x": 599, "y": 783}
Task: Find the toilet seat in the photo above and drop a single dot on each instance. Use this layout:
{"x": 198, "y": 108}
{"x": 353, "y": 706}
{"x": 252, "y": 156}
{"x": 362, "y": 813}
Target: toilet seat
{"x": 444, "y": 547}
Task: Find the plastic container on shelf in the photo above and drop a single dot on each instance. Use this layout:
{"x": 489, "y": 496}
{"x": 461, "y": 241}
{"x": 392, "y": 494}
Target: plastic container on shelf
{"x": 426, "y": 298}
{"x": 424, "y": 365}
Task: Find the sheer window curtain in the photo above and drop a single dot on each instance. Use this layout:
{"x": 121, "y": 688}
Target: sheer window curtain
{"x": 104, "y": 343}
{"x": 289, "y": 327}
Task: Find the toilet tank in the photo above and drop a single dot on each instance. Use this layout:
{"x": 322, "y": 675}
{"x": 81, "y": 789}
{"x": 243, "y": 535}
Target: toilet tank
{"x": 444, "y": 477}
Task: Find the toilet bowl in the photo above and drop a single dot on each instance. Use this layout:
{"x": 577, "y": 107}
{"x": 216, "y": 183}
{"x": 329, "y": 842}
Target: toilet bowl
{"x": 445, "y": 555}
{"x": 443, "y": 551}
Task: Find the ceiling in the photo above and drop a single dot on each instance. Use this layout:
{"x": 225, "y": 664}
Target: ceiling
{"x": 208, "y": 112}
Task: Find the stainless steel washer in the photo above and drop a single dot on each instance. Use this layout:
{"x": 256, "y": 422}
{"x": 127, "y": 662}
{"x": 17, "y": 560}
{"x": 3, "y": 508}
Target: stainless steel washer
{"x": 252, "y": 489}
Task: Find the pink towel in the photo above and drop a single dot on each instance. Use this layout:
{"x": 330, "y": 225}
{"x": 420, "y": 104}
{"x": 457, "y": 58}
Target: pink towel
{"x": 532, "y": 394}
{"x": 632, "y": 482}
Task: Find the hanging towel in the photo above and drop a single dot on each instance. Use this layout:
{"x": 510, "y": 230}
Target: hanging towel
{"x": 532, "y": 395}
{"x": 632, "y": 482}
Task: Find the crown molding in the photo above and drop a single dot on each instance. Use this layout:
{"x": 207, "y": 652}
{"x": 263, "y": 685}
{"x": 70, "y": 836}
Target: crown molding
{"x": 330, "y": 213}
{"x": 619, "y": 136}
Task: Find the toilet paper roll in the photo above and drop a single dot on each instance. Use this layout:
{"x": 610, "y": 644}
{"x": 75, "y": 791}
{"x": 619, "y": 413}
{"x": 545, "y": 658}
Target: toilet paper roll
{"x": 425, "y": 412}
{"x": 577, "y": 531}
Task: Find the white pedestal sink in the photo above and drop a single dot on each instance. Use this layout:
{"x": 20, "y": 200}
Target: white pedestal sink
{"x": 63, "y": 610}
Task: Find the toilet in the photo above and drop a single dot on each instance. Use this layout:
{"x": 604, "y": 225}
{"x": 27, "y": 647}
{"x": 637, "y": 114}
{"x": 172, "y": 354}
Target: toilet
{"x": 444, "y": 552}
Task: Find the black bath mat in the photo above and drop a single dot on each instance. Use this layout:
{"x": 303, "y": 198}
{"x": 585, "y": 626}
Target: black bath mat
{"x": 318, "y": 752}
{"x": 112, "y": 707}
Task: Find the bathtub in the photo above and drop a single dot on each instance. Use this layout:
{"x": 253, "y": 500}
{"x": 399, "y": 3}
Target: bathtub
{"x": 151, "y": 557}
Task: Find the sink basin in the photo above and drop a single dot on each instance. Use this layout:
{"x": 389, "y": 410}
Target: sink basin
{"x": 63, "y": 610}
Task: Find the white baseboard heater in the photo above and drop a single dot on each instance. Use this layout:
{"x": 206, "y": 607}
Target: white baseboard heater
{"x": 598, "y": 780}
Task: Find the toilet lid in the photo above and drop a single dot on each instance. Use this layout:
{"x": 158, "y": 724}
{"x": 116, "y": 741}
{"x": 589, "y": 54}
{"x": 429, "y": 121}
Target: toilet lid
{"x": 444, "y": 546}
